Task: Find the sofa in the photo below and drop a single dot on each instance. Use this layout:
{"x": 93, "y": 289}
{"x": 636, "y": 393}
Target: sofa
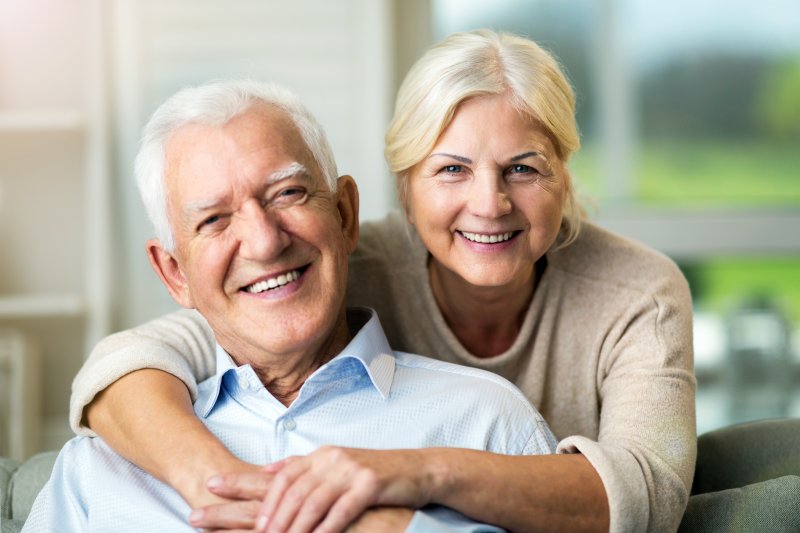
{"x": 747, "y": 480}
{"x": 19, "y": 485}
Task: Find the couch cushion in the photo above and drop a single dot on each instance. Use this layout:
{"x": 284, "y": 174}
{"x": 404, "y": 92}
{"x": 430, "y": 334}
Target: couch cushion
{"x": 766, "y": 506}
{"x": 7, "y": 469}
{"x": 28, "y": 480}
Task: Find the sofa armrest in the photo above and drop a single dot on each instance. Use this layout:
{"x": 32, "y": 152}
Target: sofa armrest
{"x": 7, "y": 468}
{"x": 743, "y": 454}
{"x": 765, "y": 506}
{"x": 20, "y": 484}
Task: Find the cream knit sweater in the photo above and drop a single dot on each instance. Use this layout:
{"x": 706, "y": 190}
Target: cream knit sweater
{"x": 605, "y": 353}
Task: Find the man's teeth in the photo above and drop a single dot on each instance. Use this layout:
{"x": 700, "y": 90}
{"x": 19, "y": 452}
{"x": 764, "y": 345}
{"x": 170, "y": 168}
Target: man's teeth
{"x": 273, "y": 283}
{"x": 487, "y": 239}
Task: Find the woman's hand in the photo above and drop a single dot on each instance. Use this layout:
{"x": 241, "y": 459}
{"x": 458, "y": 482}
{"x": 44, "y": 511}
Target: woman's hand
{"x": 328, "y": 489}
{"x": 325, "y": 491}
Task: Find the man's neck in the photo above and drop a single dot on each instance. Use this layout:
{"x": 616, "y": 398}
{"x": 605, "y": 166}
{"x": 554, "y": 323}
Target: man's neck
{"x": 284, "y": 375}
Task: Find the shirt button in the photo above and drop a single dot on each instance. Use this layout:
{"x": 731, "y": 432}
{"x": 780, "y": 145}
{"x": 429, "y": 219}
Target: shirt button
{"x": 289, "y": 424}
{"x": 244, "y": 384}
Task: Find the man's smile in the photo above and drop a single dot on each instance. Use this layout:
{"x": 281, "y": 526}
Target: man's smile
{"x": 275, "y": 282}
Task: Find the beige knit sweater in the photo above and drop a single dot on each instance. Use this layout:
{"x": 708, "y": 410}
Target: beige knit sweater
{"x": 605, "y": 353}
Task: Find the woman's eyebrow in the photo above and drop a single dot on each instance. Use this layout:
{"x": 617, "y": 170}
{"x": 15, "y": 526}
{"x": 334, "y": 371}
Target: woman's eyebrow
{"x": 459, "y": 158}
{"x": 526, "y": 155}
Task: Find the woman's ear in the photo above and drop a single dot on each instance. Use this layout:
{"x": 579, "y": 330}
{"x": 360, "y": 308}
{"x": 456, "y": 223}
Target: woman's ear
{"x": 170, "y": 273}
{"x": 347, "y": 205}
{"x": 402, "y": 196}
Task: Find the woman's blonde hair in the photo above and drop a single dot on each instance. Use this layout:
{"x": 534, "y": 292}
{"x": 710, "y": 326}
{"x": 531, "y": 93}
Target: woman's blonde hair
{"x": 476, "y": 63}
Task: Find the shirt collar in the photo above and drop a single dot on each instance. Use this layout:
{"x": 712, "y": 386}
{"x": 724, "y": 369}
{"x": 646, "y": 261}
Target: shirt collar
{"x": 368, "y": 346}
{"x": 371, "y": 348}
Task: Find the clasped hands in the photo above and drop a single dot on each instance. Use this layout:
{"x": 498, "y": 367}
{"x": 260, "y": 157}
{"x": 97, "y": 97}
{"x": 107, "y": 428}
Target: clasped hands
{"x": 326, "y": 491}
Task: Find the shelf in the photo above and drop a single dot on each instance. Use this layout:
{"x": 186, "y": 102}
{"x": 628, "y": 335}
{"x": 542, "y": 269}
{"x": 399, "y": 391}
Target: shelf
{"x": 41, "y": 120}
{"x": 40, "y": 305}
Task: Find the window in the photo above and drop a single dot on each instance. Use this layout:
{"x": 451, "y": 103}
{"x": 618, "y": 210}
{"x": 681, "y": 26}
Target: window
{"x": 690, "y": 122}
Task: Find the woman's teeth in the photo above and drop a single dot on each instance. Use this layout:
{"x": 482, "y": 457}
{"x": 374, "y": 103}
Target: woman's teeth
{"x": 487, "y": 239}
{"x": 273, "y": 283}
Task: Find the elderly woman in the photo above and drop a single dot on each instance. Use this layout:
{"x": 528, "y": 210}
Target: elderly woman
{"x": 491, "y": 266}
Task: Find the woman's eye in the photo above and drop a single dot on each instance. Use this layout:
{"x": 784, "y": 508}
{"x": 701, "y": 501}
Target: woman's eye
{"x": 522, "y": 172}
{"x": 453, "y": 169}
{"x": 521, "y": 169}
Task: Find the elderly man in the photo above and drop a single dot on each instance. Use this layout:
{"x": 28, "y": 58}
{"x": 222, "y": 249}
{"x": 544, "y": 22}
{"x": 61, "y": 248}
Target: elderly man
{"x": 254, "y": 231}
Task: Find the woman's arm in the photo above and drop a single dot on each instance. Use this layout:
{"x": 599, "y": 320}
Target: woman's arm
{"x": 147, "y": 417}
{"x": 128, "y": 393}
{"x": 554, "y": 492}
{"x": 560, "y": 492}
{"x": 635, "y": 477}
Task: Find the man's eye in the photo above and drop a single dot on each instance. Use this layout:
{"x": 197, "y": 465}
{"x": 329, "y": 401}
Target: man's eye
{"x": 210, "y": 221}
{"x": 290, "y": 196}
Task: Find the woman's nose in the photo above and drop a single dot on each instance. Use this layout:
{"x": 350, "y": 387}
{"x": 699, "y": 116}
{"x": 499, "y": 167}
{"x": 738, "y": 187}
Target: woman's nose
{"x": 260, "y": 233}
{"x": 488, "y": 197}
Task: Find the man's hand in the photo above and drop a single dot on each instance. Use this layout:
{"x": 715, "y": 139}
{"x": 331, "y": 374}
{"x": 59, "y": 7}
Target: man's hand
{"x": 383, "y": 519}
{"x": 241, "y": 517}
{"x": 197, "y": 489}
{"x": 325, "y": 492}
{"x": 240, "y": 494}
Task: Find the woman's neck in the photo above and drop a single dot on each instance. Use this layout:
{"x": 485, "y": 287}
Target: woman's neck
{"x": 485, "y": 320}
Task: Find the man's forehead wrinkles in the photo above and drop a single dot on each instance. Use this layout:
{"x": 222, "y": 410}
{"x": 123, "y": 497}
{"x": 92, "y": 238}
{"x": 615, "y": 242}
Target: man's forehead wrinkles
{"x": 289, "y": 171}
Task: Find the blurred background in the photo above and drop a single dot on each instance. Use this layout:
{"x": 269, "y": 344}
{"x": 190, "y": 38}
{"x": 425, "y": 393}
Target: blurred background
{"x": 689, "y": 113}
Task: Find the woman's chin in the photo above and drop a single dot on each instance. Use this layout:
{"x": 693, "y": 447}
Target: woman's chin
{"x": 494, "y": 280}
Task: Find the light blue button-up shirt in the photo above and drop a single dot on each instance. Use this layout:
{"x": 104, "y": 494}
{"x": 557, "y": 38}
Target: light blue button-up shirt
{"x": 366, "y": 397}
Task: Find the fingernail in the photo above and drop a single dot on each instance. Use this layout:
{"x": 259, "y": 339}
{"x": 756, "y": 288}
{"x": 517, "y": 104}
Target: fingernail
{"x": 261, "y": 523}
{"x": 215, "y": 482}
{"x": 196, "y": 515}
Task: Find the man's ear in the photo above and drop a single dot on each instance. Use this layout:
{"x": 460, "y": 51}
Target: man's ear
{"x": 167, "y": 268}
{"x": 347, "y": 204}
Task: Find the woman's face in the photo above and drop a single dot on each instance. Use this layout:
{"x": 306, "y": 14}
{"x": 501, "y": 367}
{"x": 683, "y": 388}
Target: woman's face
{"x": 487, "y": 200}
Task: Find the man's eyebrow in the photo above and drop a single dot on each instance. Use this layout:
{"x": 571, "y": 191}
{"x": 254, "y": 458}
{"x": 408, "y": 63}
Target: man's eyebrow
{"x": 201, "y": 205}
{"x": 459, "y": 158}
{"x": 274, "y": 177}
{"x": 287, "y": 172}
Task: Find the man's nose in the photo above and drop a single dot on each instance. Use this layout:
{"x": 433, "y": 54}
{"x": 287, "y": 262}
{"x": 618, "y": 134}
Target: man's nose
{"x": 260, "y": 234}
{"x": 488, "y": 197}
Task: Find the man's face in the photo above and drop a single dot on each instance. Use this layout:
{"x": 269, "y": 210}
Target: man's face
{"x": 261, "y": 242}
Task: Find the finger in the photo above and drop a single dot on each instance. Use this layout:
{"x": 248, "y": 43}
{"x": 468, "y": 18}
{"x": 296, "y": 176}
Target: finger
{"x": 273, "y": 468}
{"x": 348, "y": 508}
{"x": 289, "y": 471}
{"x": 314, "y": 508}
{"x": 241, "y": 514}
{"x": 241, "y": 486}
{"x": 291, "y": 502}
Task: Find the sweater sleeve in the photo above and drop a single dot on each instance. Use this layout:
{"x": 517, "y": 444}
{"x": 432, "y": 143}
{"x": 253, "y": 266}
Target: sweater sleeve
{"x": 180, "y": 343}
{"x": 646, "y": 447}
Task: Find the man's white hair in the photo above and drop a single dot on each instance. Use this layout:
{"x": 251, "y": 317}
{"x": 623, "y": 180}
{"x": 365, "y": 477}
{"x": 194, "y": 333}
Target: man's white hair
{"x": 215, "y": 104}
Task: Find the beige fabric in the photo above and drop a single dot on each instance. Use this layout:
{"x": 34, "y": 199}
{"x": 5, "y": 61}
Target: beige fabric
{"x": 605, "y": 353}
